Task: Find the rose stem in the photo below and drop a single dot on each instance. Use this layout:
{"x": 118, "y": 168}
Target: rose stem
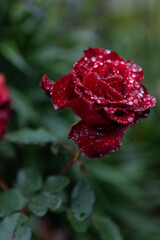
{"x": 73, "y": 159}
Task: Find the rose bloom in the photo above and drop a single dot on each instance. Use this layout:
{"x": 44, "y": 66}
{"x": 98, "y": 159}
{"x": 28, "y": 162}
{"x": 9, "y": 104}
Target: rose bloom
{"x": 4, "y": 105}
{"x": 105, "y": 91}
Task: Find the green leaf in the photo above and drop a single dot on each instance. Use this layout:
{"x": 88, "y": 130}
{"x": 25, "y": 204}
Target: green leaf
{"x": 55, "y": 183}
{"x": 39, "y": 204}
{"x": 115, "y": 176}
{"x": 11, "y": 201}
{"x": 80, "y": 227}
{"x": 83, "y": 200}
{"x": 44, "y": 201}
{"x": 15, "y": 227}
{"x": 29, "y": 180}
{"x": 23, "y": 106}
{"x": 107, "y": 229}
{"x": 55, "y": 202}
{"x": 30, "y": 137}
{"x": 10, "y": 51}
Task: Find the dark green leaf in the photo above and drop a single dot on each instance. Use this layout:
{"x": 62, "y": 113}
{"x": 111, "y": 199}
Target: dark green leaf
{"x": 10, "y": 51}
{"x": 30, "y": 137}
{"x": 11, "y": 201}
{"x": 78, "y": 226}
{"x": 23, "y": 107}
{"x": 55, "y": 202}
{"x": 15, "y": 227}
{"x": 55, "y": 183}
{"x": 83, "y": 200}
{"x": 39, "y": 204}
{"x": 107, "y": 229}
{"x": 44, "y": 201}
{"x": 29, "y": 180}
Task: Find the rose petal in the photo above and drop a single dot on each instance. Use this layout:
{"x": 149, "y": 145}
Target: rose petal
{"x": 144, "y": 114}
{"x": 92, "y": 52}
{"x": 4, "y": 94}
{"x": 98, "y": 141}
{"x": 86, "y": 111}
{"x": 114, "y": 56}
{"x": 61, "y": 91}
{"x": 46, "y": 84}
{"x": 147, "y": 102}
{"x": 91, "y": 81}
{"x": 127, "y": 119}
{"x": 137, "y": 72}
{"x": 110, "y": 92}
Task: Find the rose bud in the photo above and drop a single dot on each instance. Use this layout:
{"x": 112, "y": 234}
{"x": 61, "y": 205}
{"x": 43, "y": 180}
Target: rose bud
{"x": 105, "y": 91}
{"x": 5, "y": 100}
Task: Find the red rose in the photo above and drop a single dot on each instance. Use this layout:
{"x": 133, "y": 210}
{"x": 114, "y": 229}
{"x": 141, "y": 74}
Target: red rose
{"x": 104, "y": 90}
{"x": 4, "y": 105}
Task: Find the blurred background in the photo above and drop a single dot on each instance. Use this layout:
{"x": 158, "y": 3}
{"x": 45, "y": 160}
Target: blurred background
{"x": 38, "y": 37}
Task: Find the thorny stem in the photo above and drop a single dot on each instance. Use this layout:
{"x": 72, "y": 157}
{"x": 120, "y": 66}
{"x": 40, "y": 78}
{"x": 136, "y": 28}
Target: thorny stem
{"x": 73, "y": 159}
{"x": 68, "y": 147}
{"x": 83, "y": 166}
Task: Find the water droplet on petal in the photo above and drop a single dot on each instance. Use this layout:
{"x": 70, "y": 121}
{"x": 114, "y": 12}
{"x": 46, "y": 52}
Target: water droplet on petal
{"x": 95, "y": 66}
{"x": 116, "y": 63}
{"x": 109, "y": 60}
{"x": 130, "y": 103}
{"x": 56, "y": 107}
{"x": 93, "y": 59}
{"x": 108, "y": 51}
{"x": 130, "y": 119}
{"x": 134, "y": 75}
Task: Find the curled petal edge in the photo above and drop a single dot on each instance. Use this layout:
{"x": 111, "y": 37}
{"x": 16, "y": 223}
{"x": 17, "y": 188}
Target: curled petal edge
{"x": 98, "y": 141}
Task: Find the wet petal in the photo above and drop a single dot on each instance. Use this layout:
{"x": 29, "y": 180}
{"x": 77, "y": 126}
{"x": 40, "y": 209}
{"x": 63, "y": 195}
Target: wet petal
{"x": 62, "y": 92}
{"x": 4, "y": 94}
{"x": 128, "y": 117}
{"x": 144, "y": 114}
{"x": 85, "y": 110}
{"x": 113, "y": 56}
{"x": 147, "y": 102}
{"x": 91, "y": 81}
{"x": 110, "y": 92}
{"x": 98, "y": 141}
{"x": 46, "y": 84}
{"x": 143, "y": 104}
{"x": 93, "y": 52}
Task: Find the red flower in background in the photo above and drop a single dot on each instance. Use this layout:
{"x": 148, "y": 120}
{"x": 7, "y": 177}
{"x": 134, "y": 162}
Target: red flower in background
{"x": 105, "y": 91}
{"x": 4, "y": 105}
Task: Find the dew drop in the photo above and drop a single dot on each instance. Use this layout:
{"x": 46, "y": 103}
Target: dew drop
{"x": 109, "y": 60}
{"x": 130, "y": 103}
{"x": 56, "y": 107}
{"x": 93, "y": 59}
{"x": 130, "y": 119}
{"x": 134, "y": 75}
{"x": 116, "y": 63}
{"x": 108, "y": 51}
{"x": 98, "y": 101}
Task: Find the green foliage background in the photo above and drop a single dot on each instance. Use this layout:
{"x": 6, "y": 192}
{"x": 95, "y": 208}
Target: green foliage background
{"x": 38, "y": 37}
